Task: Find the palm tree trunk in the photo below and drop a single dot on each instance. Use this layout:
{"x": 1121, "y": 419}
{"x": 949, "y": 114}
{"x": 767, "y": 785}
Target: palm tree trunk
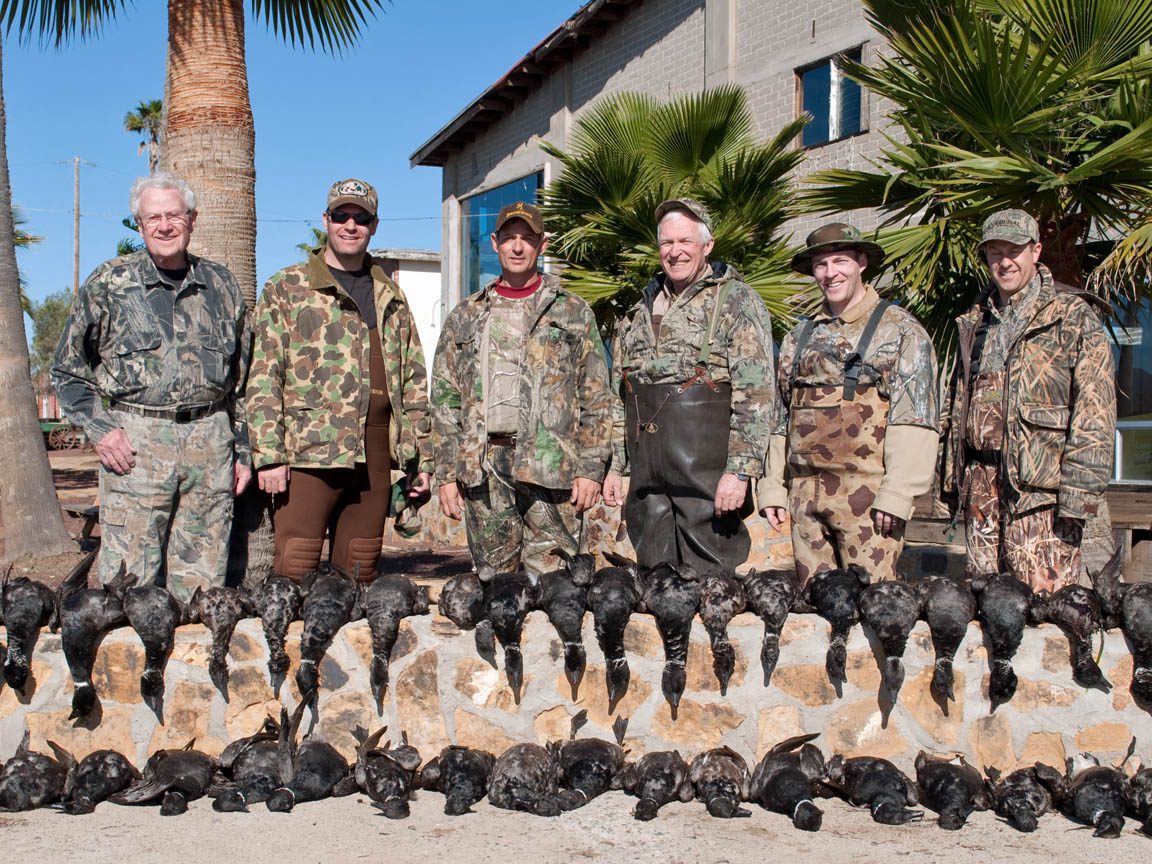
{"x": 28, "y": 505}
{"x": 209, "y": 136}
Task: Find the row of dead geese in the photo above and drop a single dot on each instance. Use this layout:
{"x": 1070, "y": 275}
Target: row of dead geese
{"x": 496, "y": 605}
{"x": 272, "y": 768}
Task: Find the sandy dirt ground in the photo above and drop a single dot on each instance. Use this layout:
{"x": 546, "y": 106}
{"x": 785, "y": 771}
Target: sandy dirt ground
{"x": 349, "y": 829}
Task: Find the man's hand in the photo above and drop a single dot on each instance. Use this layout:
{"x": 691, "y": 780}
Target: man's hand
{"x": 777, "y": 516}
{"x": 451, "y": 501}
{"x": 730, "y": 494}
{"x": 422, "y": 487}
{"x": 242, "y": 476}
{"x": 116, "y": 452}
{"x": 614, "y": 490}
{"x": 886, "y": 524}
{"x": 274, "y": 479}
{"x": 585, "y": 493}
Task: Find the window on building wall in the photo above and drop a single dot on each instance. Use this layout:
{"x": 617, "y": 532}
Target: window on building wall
{"x": 1132, "y": 350}
{"x": 478, "y": 219}
{"x": 831, "y": 97}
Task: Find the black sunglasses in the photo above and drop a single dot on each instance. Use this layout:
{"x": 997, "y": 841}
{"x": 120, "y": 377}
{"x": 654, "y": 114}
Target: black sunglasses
{"x": 339, "y": 217}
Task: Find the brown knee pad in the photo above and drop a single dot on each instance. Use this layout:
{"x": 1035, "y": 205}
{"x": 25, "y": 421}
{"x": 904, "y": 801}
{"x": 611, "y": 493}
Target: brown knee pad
{"x": 359, "y": 551}
{"x": 300, "y": 557}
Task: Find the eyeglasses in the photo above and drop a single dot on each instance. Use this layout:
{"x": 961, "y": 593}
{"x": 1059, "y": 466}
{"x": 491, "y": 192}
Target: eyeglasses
{"x": 339, "y": 217}
{"x": 153, "y": 220}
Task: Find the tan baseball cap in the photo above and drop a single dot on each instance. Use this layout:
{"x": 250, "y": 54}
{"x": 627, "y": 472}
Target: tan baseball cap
{"x": 691, "y": 205}
{"x": 1012, "y": 226}
{"x": 352, "y": 191}
{"x": 530, "y": 213}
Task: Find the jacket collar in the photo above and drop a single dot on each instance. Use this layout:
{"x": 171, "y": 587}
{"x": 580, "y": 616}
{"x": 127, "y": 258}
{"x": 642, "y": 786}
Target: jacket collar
{"x": 320, "y": 278}
{"x": 150, "y": 274}
{"x": 656, "y": 284}
{"x": 856, "y": 311}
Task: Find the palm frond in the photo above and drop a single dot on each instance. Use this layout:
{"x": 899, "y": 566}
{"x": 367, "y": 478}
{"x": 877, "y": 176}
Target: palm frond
{"x": 328, "y": 25}
{"x": 57, "y": 21}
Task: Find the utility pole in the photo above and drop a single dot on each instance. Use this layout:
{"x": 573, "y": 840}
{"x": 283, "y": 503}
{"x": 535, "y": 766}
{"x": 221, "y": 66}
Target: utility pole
{"x": 75, "y": 225}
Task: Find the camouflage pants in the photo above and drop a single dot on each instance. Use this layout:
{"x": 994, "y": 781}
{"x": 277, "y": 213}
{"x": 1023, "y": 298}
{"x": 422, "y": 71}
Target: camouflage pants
{"x": 168, "y": 520}
{"x": 1034, "y": 547}
{"x": 510, "y": 524}
{"x": 832, "y": 526}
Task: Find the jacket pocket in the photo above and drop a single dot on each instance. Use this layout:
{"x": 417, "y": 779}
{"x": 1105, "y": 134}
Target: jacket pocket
{"x": 1040, "y": 449}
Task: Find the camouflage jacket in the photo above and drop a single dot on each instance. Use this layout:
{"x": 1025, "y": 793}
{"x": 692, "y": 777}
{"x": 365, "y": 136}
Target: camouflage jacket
{"x": 308, "y": 389}
{"x": 132, "y": 337}
{"x": 564, "y": 409}
{"x": 899, "y": 361}
{"x": 1059, "y": 405}
{"x": 741, "y": 354}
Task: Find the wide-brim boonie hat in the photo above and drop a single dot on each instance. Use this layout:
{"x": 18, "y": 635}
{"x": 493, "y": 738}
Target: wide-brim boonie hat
{"x": 832, "y": 237}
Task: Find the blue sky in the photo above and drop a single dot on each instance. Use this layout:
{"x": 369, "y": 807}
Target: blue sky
{"x": 318, "y": 118}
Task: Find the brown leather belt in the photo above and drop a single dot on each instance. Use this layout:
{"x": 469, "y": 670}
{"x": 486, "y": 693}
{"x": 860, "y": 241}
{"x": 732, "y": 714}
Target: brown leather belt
{"x": 502, "y": 440}
{"x": 176, "y": 415}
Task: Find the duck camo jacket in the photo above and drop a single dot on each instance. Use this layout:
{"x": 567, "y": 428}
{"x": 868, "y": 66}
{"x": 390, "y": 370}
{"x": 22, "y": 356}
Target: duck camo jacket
{"x": 740, "y": 354}
{"x": 564, "y": 408}
{"x": 308, "y": 388}
{"x": 133, "y": 338}
{"x": 1059, "y": 405}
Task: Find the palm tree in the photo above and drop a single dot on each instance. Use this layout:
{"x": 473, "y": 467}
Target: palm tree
{"x": 629, "y": 152}
{"x": 208, "y": 137}
{"x": 319, "y": 238}
{"x": 21, "y": 239}
{"x": 1039, "y": 104}
{"x": 148, "y": 121}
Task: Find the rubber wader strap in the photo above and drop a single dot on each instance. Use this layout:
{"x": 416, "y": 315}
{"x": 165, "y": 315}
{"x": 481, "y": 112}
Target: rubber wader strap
{"x": 801, "y": 343}
{"x": 855, "y": 361}
{"x": 706, "y": 346}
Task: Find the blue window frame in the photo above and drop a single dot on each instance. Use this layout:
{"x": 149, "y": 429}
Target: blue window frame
{"x": 831, "y": 98}
{"x": 478, "y": 217}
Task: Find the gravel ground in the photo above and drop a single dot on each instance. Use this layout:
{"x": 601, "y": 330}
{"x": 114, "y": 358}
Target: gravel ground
{"x": 349, "y": 829}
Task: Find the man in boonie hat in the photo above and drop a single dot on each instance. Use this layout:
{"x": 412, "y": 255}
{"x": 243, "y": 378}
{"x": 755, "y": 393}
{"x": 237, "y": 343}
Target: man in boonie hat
{"x": 693, "y": 372}
{"x": 856, "y": 428}
{"x": 1030, "y": 442}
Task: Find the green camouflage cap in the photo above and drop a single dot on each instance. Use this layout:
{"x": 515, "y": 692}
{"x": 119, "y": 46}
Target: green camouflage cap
{"x": 1012, "y": 226}
{"x": 832, "y": 237}
{"x": 694, "y": 208}
{"x": 352, "y": 191}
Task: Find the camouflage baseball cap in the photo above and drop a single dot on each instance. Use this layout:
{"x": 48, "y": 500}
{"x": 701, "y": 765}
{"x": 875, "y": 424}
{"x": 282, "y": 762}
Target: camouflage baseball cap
{"x": 530, "y": 213}
{"x": 352, "y": 191}
{"x": 694, "y": 208}
{"x": 1012, "y": 226}
{"x": 832, "y": 237}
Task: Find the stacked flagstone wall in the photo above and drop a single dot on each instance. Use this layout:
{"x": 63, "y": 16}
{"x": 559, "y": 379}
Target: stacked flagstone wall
{"x": 442, "y": 692}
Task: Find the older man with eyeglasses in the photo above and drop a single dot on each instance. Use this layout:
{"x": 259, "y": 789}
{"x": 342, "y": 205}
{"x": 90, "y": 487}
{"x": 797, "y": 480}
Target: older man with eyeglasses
{"x": 152, "y": 364}
{"x": 337, "y": 397}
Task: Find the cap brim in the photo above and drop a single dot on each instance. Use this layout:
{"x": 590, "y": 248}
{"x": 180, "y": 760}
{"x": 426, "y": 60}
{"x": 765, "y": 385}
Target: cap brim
{"x": 359, "y": 202}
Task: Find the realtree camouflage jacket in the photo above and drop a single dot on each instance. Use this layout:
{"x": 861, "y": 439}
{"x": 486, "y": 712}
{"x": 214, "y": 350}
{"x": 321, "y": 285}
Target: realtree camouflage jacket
{"x": 741, "y": 354}
{"x": 129, "y": 337}
{"x": 1059, "y": 405}
{"x": 308, "y": 389}
{"x": 564, "y": 409}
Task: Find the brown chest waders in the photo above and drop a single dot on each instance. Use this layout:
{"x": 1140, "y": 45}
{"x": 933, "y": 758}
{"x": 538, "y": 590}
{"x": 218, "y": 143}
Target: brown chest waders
{"x": 677, "y": 438}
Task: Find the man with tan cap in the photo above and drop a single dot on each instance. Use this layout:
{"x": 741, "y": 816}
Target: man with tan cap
{"x": 520, "y": 408}
{"x": 1032, "y": 414}
{"x": 856, "y": 429}
{"x": 338, "y": 395}
{"x": 693, "y": 373}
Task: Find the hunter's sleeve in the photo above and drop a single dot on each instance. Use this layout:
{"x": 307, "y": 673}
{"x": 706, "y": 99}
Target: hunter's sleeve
{"x": 753, "y": 379}
{"x": 1086, "y": 466}
{"x": 446, "y": 405}
{"x": 237, "y": 401}
{"x": 264, "y": 393}
{"x": 619, "y": 464}
{"x": 415, "y": 422}
{"x": 595, "y": 433}
{"x": 77, "y": 355}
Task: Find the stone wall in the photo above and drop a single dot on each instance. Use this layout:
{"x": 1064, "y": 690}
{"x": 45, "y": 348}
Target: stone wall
{"x": 442, "y": 692}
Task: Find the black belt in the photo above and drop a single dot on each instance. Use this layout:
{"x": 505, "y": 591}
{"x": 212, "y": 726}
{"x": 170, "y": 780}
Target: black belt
{"x": 176, "y": 415}
{"x": 502, "y": 440}
{"x": 983, "y": 457}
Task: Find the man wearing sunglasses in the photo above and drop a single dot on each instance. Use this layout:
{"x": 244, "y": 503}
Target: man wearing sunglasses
{"x": 520, "y": 408}
{"x": 152, "y": 363}
{"x": 338, "y": 396}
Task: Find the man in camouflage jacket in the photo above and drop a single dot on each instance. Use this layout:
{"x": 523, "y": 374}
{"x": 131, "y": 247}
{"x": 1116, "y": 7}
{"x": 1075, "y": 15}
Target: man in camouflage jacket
{"x": 151, "y": 364}
{"x": 693, "y": 376}
{"x": 1032, "y": 414}
{"x": 337, "y": 395}
{"x": 520, "y": 408}
{"x": 857, "y": 419}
